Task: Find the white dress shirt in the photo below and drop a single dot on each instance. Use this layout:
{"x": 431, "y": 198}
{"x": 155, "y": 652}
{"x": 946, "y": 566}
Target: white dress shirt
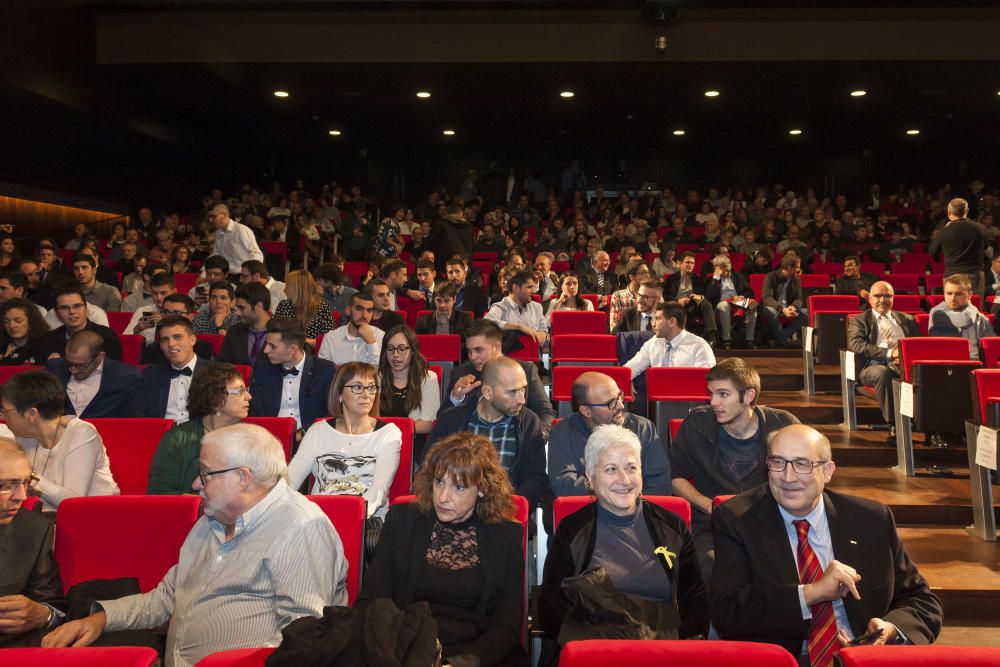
{"x": 897, "y": 332}
{"x": 177, "y": 399}
{"x": 277, "y": 290}
{"x": 82, "y": 392}
{"x": 290, "y": 394}
{"x": 686, "y": 349}
{"x": 529, "y": 315}
{"x": 340, "y": 347}
{"x": 94, "y": 313}
{"x": 237, "y": 244}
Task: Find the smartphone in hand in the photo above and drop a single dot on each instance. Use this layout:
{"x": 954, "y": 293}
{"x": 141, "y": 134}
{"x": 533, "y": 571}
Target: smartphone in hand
{"x": 866, "y": 638}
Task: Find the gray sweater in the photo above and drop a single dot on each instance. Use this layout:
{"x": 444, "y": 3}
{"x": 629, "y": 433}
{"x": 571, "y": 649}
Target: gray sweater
{"x": 968, "y": 323}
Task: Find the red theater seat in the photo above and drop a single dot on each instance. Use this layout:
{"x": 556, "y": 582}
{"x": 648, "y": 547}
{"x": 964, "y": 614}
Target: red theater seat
{"x": 903, "y": 283}
{"x": 908, "y": 303}
{"x": 118, "y": 322}
{"x": 132, "y": 348}
{"x": 936, "y": 350}
{"x": 991, "y": 351}
{"x": 584, "y": 348}
{"x": 718, "y": 500}
{"x": 215, "y": 340}
{"x": 347, "y": 514}
{"x": 987, "y": 385}
{"x": 90, "y": 656}
{"x": 919, "y": 656}
{"x": 7, "y": 372}
{"x": 831, "y": 303}
{"x": 675, "y": 425}
{"x": 403, "y": 480}
{"x": 131, "y": 444}
{"x": 241, "y": 657}
{"x": 566, "y": 505}
{"x": 529, "y": 349}
{"x": 639, "y": 653}
{"x": 441, "y": 347}
{"x": 282, "y": 428}
{"x": 183, "y": 282}
{"x": 579, "y": 322}
{"x": 563, "y": 378}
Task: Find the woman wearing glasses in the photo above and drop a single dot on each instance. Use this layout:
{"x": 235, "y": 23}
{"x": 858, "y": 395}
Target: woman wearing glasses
{"x": 409, "y": 387}
{"x": 67, "y": 454}
{"x": 24, "y": 334}
{"x": 218, "y": 397}
{"x": 353, "y": 453}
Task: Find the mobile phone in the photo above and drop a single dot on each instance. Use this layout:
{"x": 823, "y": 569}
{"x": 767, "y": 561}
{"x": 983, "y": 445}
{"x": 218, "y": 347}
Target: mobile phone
{"x": 866, "y": 638}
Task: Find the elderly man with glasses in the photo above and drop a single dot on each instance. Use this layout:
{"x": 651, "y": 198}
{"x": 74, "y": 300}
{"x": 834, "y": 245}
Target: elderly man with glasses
{"x": 598, "y": 400}
{"x": 241, "y": 576}
{"x": 97, "y": 387}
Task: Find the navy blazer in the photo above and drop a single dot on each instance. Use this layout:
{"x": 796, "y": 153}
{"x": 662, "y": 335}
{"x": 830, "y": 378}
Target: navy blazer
{"x": 156, "y": 386}
{"x": 119, "y": 395}
{"x": 265, "y": 389}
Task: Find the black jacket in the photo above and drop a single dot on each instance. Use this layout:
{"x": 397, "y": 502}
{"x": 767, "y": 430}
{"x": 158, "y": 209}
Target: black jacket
{"x": 589, "y": 283}
{"x": 234, "y": 348}
{"x": 389, "y": 319}
{"x": 536, "y": 397}
{"x": 963, "y": 244}
{"x": 713, "y": 288}
{"x": 26, "y": 560}
{"x": 771, "y": 290}
{"x": 266, "y": 389}
{"x": 862, "y": 336}
{"x": 56, "y": 341}
{"x": 459, "y": 322}
{"x": 119, "y": 394}
{"x": 672, "y": 284}
{"x": 156, "y": 386}
{"x": 630, "y": 319}
{"x": 573, "y": 547}
{"x": 473, "y": 299}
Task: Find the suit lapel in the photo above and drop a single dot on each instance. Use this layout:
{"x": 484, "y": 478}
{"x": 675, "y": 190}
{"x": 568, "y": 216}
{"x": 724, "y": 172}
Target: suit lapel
{"x": 847, "y": 548}
{"x": 775, "y": 540}
{"x": 305, "y": 384}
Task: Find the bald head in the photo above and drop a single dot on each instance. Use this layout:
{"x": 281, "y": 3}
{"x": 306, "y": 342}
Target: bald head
{"x": 880, "y": 297}
{"x": 10, "y": 451}
{"x": 495, "y": 369}
{"x": 85, "y": 342}
{"x": 805, "y": 435}
{"x": 595, "y": 396}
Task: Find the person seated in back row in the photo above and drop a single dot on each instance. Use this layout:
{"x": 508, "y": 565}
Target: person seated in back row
{"x": 97, "y": 387}
{"x": 166, "y": 385}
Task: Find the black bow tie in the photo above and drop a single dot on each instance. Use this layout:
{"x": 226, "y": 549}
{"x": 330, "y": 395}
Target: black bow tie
{"x": 175, "y": 372}
{"x": 289, "y": 371}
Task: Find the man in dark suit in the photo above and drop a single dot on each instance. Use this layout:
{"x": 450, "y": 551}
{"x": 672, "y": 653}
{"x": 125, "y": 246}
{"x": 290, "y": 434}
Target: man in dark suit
{"x": 810, "y": 569}
{"x": 31, "y": 593}
{"x": 165, "y": 385}
{"x": 71, "y": 309}
{"x": 600, "y": 279}
{"x": 469, "y": 296}
{"x": 95, "y": 385}
{"x": 687, "y": 289}
{"x": 384, "y": 316}
{"x": 287, "y": 382}
{"x": 640, "y": 317}
{"x": 782, "y": 297}
{"x": 873, "y": 337}
{"x": 445, "y": 318}
{"x": 180, "y": 305}
{"x": 729, "y": 292}
{"x": 483, "y": 341}
{"x": 853, "y": 281}
{"x": 244, "y": 342}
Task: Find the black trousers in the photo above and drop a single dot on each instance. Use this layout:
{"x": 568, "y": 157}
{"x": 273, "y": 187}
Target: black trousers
{"x": 881, "y": 376}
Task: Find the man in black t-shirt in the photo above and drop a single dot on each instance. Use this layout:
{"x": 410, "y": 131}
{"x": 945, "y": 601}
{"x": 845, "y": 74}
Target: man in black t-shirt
{"x": 963, "y": 244}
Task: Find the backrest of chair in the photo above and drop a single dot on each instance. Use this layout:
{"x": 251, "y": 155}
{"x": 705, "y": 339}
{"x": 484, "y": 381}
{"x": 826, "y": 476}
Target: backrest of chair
{"x": 676, "y": 383}
{"x": 563, "y": 378}
{"x": 282, "y": 428}
{"x": 118, "y": 321}
{"x": 718, "y": 500}
{"x": 579, "y": 322}
{"x": 347, "y": 514}
{"x": 356, "y": 271}
{"x": 215, "y": 340}
{"x": 7, "y": 372}
{"x": 403, "y": 480}
{"x": 130, "y": 445}
{"x": 986, "y": 382}
{"x": 183, "y": 282}
{"x": 90, "y": 656}
{"x": 245, "y": 371}
{"x": 908, "y": 283}
{"x": 815, "y": 280}
{"x": 439, "y": 372}
{"x": 872, "y": 267}
{"x": 108, "y": 537}
{"x": 675, "y": 425}
{"x": 675, "y": 504}
{"x": 529, "y": 349}
{"x": 237, "y": 657}
{"x": 410, "y": 308}
{"x": 757, "y": 285}
{"x": 923, "y": 323}
{"x": 833, "y": 303}
{"x": 575, "y": 347}
{"x": 441, "y": 347}
{"x": 563, "y": 506}
{"x": 907, "y": 303}
{"x": 642, "y": 653}
{"x": 132, "y": 348}
{"x": 918, "y": 656}
{"x": 913, "y": 350}
{"x": 991, "y": 351}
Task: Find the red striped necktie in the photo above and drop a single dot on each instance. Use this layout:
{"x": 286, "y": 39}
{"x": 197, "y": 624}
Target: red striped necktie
{"x": 822, "y": 642}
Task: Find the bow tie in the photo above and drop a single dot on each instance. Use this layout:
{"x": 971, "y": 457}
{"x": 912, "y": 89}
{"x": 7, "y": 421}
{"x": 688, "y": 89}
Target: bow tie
{"x": 289, "y": 371}
{"x": 175, "y": 372}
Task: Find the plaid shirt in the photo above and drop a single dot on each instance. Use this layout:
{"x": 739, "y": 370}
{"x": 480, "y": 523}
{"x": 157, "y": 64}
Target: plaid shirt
{"x": 503, "y": 435}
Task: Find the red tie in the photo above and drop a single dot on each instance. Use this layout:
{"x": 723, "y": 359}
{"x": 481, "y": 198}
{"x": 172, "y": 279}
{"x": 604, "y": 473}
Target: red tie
{"x": 822, "y": 642}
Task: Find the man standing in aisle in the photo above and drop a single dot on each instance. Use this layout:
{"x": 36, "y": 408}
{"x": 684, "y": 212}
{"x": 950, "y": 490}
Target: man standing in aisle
{"x": 233, "y": 241}
{"x": 963, "y": 243}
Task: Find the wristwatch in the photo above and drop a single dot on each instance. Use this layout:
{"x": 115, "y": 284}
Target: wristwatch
{"x": 51, "y": 617}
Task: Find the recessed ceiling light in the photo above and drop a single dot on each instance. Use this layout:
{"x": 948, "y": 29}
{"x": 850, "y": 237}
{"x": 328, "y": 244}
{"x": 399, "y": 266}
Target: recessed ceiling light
{"x": 795, "y": 132}
{"x": 423, "y": 94}
{"x": 281, "y": 93}
{"x": 912, "y": 132}
{"x": 678, "y": 133}
{"x": 335, "y": 133}
{"x": 711, "y": 93}
{"x": 567, "y": 93}
{"x": 449, "y": 133}
{"x": 858, "y": 93}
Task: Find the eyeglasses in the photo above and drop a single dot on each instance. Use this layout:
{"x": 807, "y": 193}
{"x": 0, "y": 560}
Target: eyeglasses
{"x": 181, "y": 313}
{"x": 237, "y": 391}
{"x": 203, "y": 476}
{"x": 363, "y": 388}
{"x": 8, "y": 487}
{"x": 801, "y": 466}
{"x": 4, "y": 412}
{"x": 68, "y": 308}
{"x": 881, "y": 296}
{"x": 397, "y": 349}
{"x": 610, "y": 405}
{"x": 81, "y": 367}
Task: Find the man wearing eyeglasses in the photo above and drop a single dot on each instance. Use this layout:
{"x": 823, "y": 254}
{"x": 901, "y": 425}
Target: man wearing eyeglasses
{"x": 625, "y": 299}
{"x": 31, "y": 594}
{"x": 873, "y": 336}
{"x": 598, "y": 400}
{"x": 242, "y": 573}
{"x": 96, "y": 386}
{"x": 71, "y": 309}
{"x": 811, "y": 569}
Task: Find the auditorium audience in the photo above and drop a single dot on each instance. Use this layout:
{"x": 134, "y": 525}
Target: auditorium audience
{"x": 178, "y": 305}
{"x": 166, "y": 384}
{"x": 958, "y": 316}
{"x": 336, "y": 287}
{"x": 142, "y": 292}
{"x": 97, "y": 387}
{"x": 220, "y": 316}
{"x": 71, "y": 311}
{"x": 357, "y": 340}
{"x": 672, "y": 345}
{"x": 470, "y": 296}
{"x": 688, "y": 290}
{"x": 637, "y": 273}
{"x": 409, "y": 388}
{"x": 255, "y": 271}
{"x": 244, "y": 341}
{"x": 518, "y": 311}
{"x": 731, "y": 296}
{"x": 233, "y": 241}
{"x": 383, "y": 316}
{"x": 24, "y": 337}
{"x": 306, "y": 303}
{"x": 67, "y": 454}
{"x": 458, "y": 548}
{"x": 149, "y": 311}
{"x": 853, "y": 281}
{"x": 444, "y": 317}
{"x": 782, "y": 301}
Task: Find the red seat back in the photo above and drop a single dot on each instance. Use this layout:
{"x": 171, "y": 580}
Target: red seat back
{"x": 991, "y": 351}
{"x": 347, "y": 514}
{"x": 915, "y": 350}
{"x": 118, "y": 322}
{"x": 678, "y": 383}
{"x": 906, "y": 283}
{"x": 814, "y": 280}
{"x": 90, "y": 656}
{"x": 356, "y": 271}
{"x": 441, "y": 347}
{"x": 566, "y": 505}
{"x": 675, "y": 425}
{"x": 410, "y": 308}
{"x": 215, "y": 340}
{"x": 131, "y": 444}
{"x": 987, "y": 384}
{"x": 529, "y": 349}
{"x": 918, "y": 656}
{"x": 7, "y": 372}
{"x": 108, "y": 537}
{"x": 183, "y": 282}
{"x": 923, "y": 323}
{"x": 831, "y": 303}
{"x": 579, "y": 322}
{"x": 643, "y": 653}
{"x": 584, "y": 347}
{"x": 245, "y": 371}
{"x": 907, "y": 303}
{"x": 282, "y": 428}
{"x": 872, "y": 267}
{"x": 718, "y": 500}
{"x": 274, "y": 248}
{"x": 757, "y": 285}
{"x": 563, "y": 378}
{"x": 403, "y": 480}
{"x": 132, "y": 348}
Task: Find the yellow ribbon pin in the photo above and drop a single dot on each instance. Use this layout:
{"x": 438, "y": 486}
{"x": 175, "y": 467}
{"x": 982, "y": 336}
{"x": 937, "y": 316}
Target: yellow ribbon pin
{"x": 667, "y": 556}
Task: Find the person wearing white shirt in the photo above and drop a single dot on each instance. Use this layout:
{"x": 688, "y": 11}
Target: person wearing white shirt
{"x": 254, "y": 270}
{"x": 233, "y": 241}
{"x": 144, "y": 321}
{"x": 672, "y": 345}
{"x": 519, "y": 311}
{"x": 94, "y": 314}
{"x": 166, "y": 385}
{"x": 357, "y": 340}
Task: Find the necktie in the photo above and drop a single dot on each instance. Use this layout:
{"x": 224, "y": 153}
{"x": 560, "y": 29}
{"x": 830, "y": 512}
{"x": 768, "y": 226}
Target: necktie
{"x": 258, "y": 342}
{"x": 646, "y": 323}
{"x": 289, "y": 371}
{"x": 670, "y": 348}
{"x": 885, "y": 329}
{"x": 177, "y": 372}
{"x": 822, "y": 642}
{"x": 600, "y": 281}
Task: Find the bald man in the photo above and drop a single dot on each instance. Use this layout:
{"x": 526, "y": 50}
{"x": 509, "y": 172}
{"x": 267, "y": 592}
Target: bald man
{"x": 810, "y": 569}
{"x": 31, "y": 593}
{"x": 502, "y": 416}
{"x": 96, "y": 386}
{"x": 873, "y": 337}
{"x": 233, "y": 241}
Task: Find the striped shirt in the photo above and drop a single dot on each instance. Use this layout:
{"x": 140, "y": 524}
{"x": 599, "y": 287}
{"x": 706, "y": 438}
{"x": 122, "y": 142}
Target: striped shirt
{"x": 503, "y": 435}
{"x": 284, "y": 561}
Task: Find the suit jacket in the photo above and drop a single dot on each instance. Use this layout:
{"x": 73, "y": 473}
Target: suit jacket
{"x": 536, "y": 397}
{"x": 590, "y": 282}
{"x": 27, "y": 565}
{"x": 672, "y": 284}
{"x": 390, "y": 319}
{"x": 152, "y": 354}
{"x": 473, "y": 299}
{"x": 394, "y": 572}
{"x": 459, "y": 322}
{"x": 713, "y": 287}
{"x": 755, "y": 577}
{"x": 629, "y": 320}
{"x": 234, "y": 346}
{"x": 266, "y": 390}
{"x": 845, "y": 285}
{"x": 771, "y": 291}
{"x": 156, "y": 386}
{"x": 862, "y": 335}
{"x": 119, "y": 395}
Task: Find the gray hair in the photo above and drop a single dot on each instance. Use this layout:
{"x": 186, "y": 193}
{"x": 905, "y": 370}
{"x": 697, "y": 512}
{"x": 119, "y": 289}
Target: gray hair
{"x": 10, "y": 450}
{"x": 251, "y": 446}
{"x": 958, "y": 207}
{"x": 605, "y": 437}
{"x": 723, "y": 261}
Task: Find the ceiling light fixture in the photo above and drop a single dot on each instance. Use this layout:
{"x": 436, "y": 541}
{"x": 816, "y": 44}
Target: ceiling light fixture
{"x": 678, "y": 133}
{"x": 449, "y": 133}
{"x": 423, "y": 94}
{"x": 711, "y": 93}
{"x": 795, "y": 132}
{"x": 335, "y": 133}
{"x": 858, "y": 93}
{"x": 567, "y": 94}
{"x": 281, "y": 93}
{"x": 913, "y": 132}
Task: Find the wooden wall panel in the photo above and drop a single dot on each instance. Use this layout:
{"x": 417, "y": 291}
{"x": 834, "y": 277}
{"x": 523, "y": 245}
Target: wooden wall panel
{"x": 34, "y": 220}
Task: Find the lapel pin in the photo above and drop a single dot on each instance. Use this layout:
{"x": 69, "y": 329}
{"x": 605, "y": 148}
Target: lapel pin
{"x": 668, "y": 556}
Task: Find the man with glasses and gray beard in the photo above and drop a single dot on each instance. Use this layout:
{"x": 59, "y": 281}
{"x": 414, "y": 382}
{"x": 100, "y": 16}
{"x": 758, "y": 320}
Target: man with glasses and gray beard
{"x": 241, "y": 576}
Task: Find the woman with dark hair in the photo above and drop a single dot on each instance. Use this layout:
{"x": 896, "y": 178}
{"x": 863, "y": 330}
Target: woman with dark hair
{"x": 180, "y": 259}
{"x": 24, "y": 333}
{"x": 218, "y": 397}
{"x": 569, "y": 297}
{"x": 67, "y": 454}
{"x": 8, "y": 251}
{"x": 409, "y": 387}
{"x": 458, "y": 548}
{"x": 353, "y": 453}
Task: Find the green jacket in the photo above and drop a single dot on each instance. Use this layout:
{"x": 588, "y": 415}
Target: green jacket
{"x": 175, "y": 463}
